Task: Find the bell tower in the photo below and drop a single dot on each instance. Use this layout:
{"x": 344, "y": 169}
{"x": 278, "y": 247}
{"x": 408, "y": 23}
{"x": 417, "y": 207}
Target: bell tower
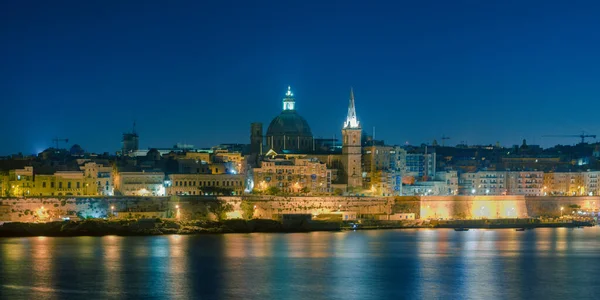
{"x": 351, "y": 148}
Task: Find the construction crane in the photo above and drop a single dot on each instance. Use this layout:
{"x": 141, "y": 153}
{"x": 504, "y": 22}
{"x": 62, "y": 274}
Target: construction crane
{"x": 582, "y": 136}
{"x": 58, "y": 140}
{"x": 444, "y": 138}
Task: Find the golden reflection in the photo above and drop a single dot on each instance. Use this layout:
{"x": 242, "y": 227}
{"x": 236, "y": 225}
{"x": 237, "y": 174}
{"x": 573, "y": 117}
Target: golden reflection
{"x": 298, "y": 245}
{"x": 112, "y": 262}
{"x": 41, "y": 261}
{"x": 86, "y": 248}
{"x": 428, "y": 263}
{"x": 318, "y": 247}
{"x": 234, "y": 245}
{"x": 542, "y": 243}
{"x": 481, "y": 270}
{"x": 178, "y": 264}
{"x": 261, "y": 249}
{"x": 561, "y": 240}
{"x": 237, "y": 264}
{"x": 510, "y": 247}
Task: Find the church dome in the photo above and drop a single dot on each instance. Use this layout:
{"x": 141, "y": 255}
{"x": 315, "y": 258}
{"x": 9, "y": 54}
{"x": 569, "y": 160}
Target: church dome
{"x": 289, "y": 123}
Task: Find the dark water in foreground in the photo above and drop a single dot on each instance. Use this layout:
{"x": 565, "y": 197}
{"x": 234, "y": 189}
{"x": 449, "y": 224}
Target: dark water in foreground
{"x": 392, "y": 264}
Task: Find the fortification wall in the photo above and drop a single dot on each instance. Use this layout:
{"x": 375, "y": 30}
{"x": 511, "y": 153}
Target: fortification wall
{"x": 184, "y": 208}
{"x": 269, "y": 207}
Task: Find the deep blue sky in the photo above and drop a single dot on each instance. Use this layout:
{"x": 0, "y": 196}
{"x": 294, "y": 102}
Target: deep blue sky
{"x": 200, "y": 71}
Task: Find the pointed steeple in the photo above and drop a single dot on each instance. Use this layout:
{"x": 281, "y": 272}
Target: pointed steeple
{"x": 351, "y": 120}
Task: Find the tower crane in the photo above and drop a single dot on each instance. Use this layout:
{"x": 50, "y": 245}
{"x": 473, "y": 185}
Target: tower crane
{"x": 582, "y": 136}
{"x": 57, "y": 140}
{"x": 444, "y": 138}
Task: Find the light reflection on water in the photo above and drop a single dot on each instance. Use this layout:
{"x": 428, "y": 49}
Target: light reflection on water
{"x": 427, "y": 264}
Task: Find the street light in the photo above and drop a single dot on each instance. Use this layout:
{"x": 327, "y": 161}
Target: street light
{"x": 112, "y": 210}
{"x": 561, "y": 211}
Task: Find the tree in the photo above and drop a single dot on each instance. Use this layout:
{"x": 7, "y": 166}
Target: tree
{"x": 247, "y": 209}
{"x": 273, "y": 190}
{"x": 338, "y": 192}
{"x": 305, "y": 190}
{"x": 220, "y": 209}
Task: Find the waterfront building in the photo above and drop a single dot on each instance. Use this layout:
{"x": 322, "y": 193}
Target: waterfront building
{"x": 590, "y": 183}
{"x": 294, "y": 176}
{"x": 563, "y": 184}
{"x": 379, "y": 169}
{"x": 427, "y": 188}
{"x": 205, "y": 184}
{"x": 451, "y": 180}
{"x": 234, "y": 162}
{"x": 24, "y": 182}
{"x": 420, "y": 165}
{"x": 528, "y": 183}
{"x": 140, "y": 183}
{"x": 20, "y": 182}
{"x": 102, "y": 175}
{"x": 484, "y": 183}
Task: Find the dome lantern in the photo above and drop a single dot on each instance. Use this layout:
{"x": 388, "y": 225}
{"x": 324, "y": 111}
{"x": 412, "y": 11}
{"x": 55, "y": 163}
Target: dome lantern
{"x": 289, "y": 102}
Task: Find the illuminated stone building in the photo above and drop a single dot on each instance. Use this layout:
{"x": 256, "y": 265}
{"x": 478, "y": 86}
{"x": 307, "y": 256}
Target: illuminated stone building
{"x": 565, "y": 184}
{"x": 288, "y": 131}
{"x": 528, "y": 183}
{"x": 20, "y": 182}
{"x": 380, "y": 167}
{"x": 484, "y": 183}
{"x": 140, "y": 183}
{"x": 102, "y": 175}
{"x": 295, "y": 176}
{"x": 24, "y": 182}
{"x": 351, "y": 148}
{"x": 590, "y": 182}
{"x": 205, "y": 184}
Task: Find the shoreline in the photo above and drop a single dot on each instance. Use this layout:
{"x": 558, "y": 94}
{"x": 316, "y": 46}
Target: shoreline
{"x": 150, "y": 227}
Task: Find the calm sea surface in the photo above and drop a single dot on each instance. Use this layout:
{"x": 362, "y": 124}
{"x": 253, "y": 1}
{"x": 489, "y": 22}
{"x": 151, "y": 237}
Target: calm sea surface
{"x": 391, "y": 264}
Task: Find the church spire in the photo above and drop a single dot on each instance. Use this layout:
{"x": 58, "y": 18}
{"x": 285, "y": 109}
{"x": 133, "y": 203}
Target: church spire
{"x": 351, "y": 120}
{"x": 289, "y": 102}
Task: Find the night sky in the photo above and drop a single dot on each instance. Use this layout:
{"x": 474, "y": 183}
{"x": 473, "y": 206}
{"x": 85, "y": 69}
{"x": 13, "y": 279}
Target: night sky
{"x": 200, "y": 72}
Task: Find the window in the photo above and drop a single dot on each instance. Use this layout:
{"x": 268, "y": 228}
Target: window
{"x": 60, "y": 185}
{"x": 44, "y": 184}
{"x": 78, "y": 185}
{"x": 52, "y": 185}
{"x": 69, "y": 185}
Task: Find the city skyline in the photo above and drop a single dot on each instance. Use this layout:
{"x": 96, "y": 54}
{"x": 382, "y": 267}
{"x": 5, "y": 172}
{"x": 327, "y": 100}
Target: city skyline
{"x": 187, "y": 74}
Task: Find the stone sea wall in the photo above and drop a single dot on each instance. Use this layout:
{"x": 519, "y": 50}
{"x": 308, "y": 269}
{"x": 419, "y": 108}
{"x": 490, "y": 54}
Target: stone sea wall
{"x": 269, "y": 207}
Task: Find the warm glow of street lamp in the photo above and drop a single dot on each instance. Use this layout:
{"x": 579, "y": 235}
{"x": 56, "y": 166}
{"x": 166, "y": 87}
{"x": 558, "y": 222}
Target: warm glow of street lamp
{"x": 177, "y": 206}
